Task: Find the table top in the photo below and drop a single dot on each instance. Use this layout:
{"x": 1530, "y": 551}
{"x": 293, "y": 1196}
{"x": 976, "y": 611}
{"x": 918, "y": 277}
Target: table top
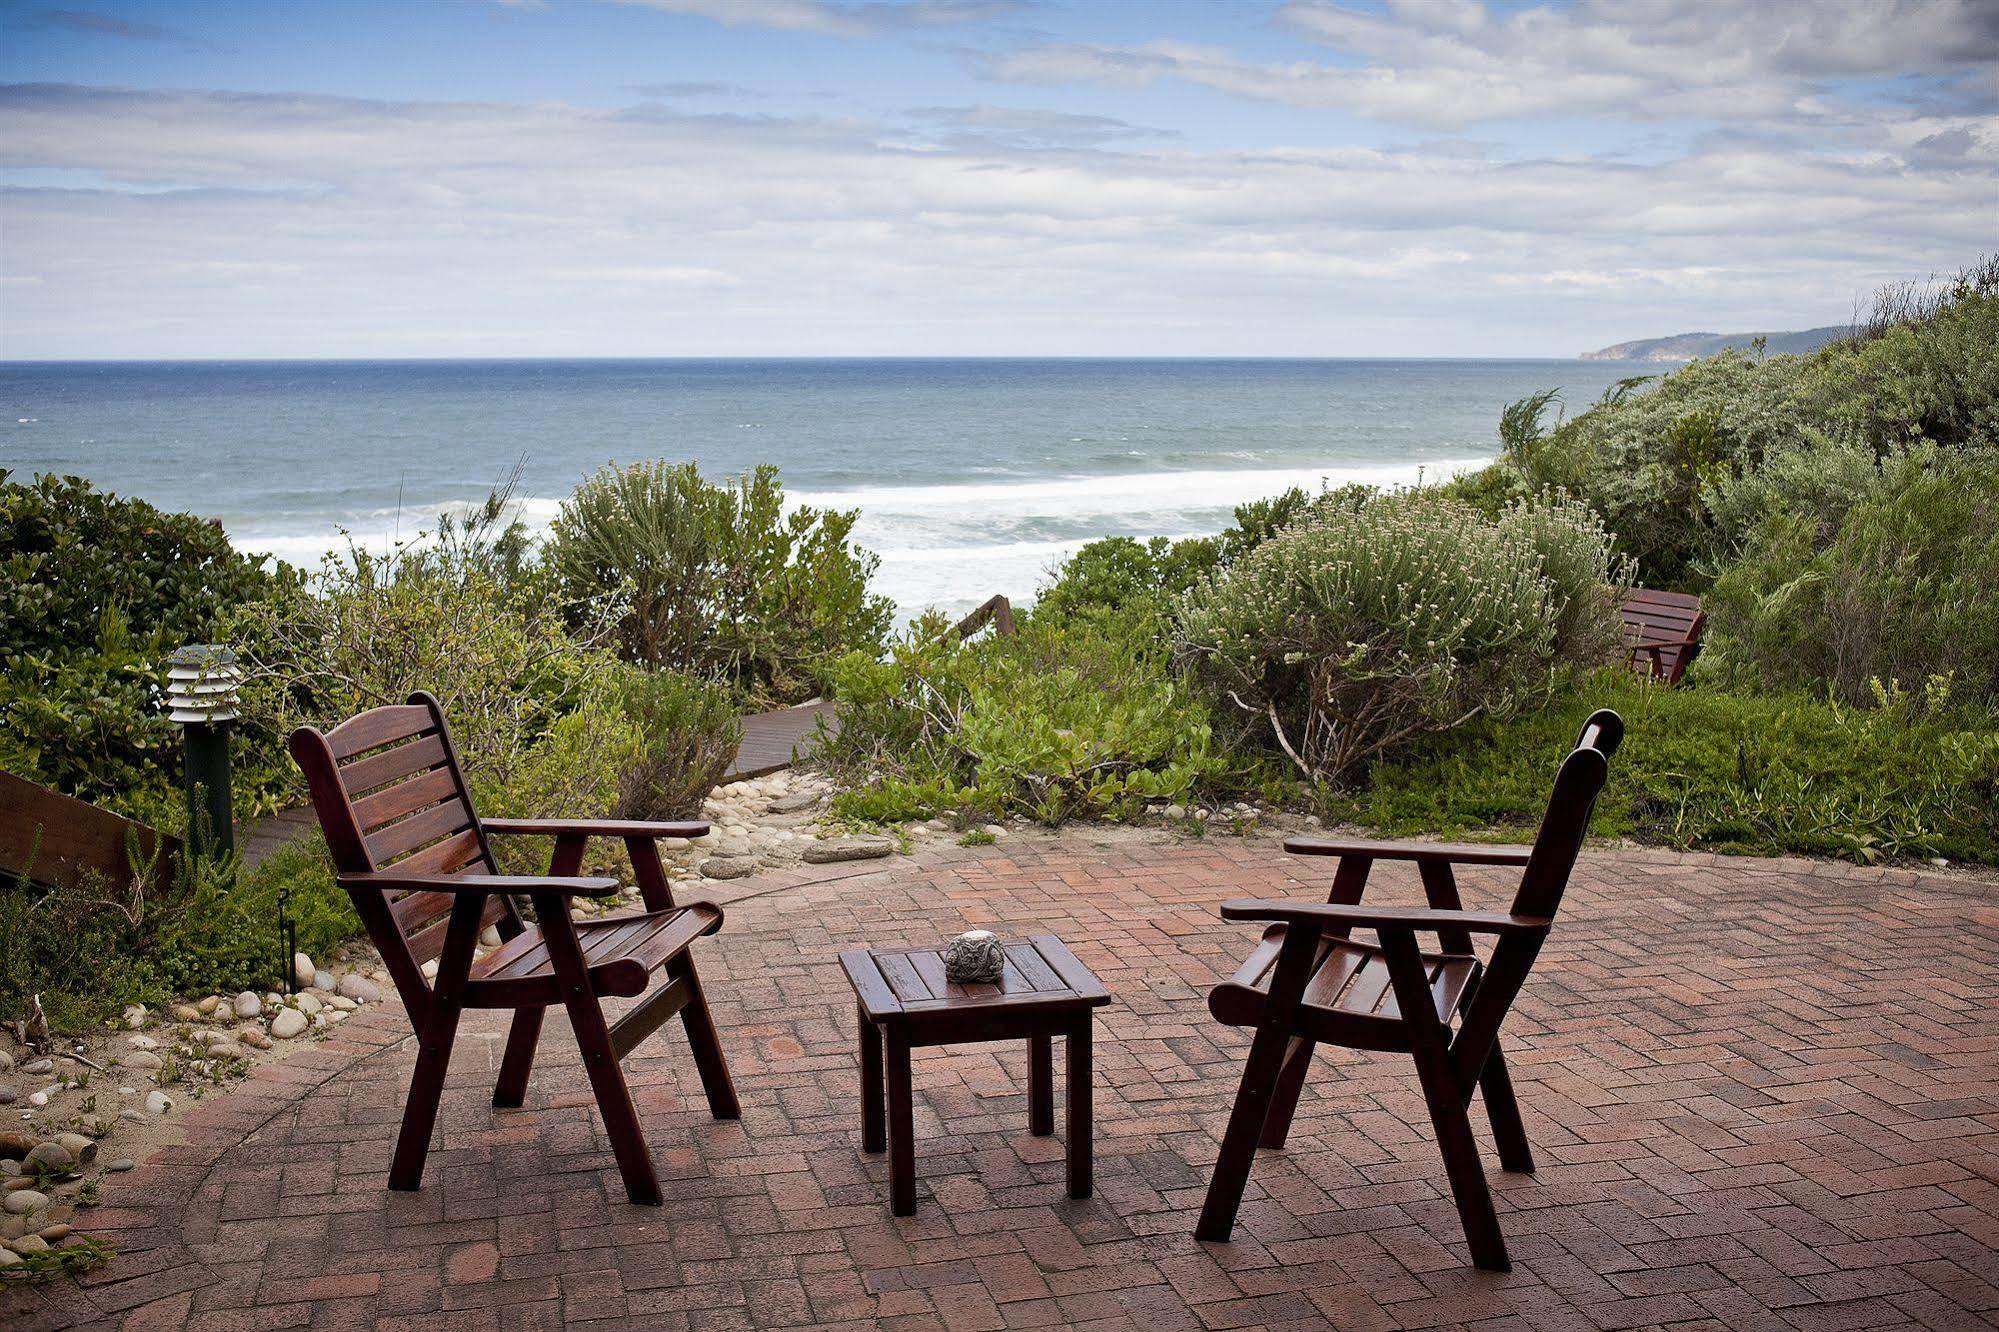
{"x": 1041, "y": 974}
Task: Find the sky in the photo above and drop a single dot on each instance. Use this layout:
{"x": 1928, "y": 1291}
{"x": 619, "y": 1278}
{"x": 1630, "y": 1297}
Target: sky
{"x": 468, "y": 178}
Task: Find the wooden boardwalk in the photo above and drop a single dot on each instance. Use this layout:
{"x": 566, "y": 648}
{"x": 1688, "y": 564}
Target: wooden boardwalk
{"x": 774, "y": 740}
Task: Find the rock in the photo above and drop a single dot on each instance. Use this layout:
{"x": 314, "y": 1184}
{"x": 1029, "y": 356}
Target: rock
{"x": 227, "y": 1050}
{"x": 341, "y": 1003}
{"x": 38, "y": 1099}
{"x": 326, "y": 981}
{"x": 334, "y": 1016}
{"x": 937, "y": 825}
{"x": 358, "y": 988}
{"x": 855, "y": 848}
{"x": 142, "y": 1059}
{"x": 135, "y": 1016}
{"x": 142, "y": 1043}
{"x": 131, "y": 1116}
{"x": 248, "y": 1005}
{"x": 309, "y": 1003}
{"x": 303, "y": 969}
{"x": 8, "y": 1095}
{"x": 1175, "y": 811}
{"x": 728, "y": 867}
{"x": 8, "y": 1258}
{"x": 39, "y": 1066}
{"x": 429, "y": 970}
{"x": 490, "y": 936}
{"x": 59, "y": 1231}
{"x": 209, "y": 1005}
{"x": 80, "y": 1147}
{"x": 28, "y": 1244}
{"x": 186, "y": 1013}
{"x": 158, "y": 1103}
{"x": 255, "y": 1038}
{"x": 289, "y": 1023}
{"x": 120, "y": 1166}
{"x": 995, "y": 830}
{"x": 6, "y": 1062}
{"x": 25, "y": 1202}
{"x": 50, "y": 1158}
{"x": 792, "y": 804}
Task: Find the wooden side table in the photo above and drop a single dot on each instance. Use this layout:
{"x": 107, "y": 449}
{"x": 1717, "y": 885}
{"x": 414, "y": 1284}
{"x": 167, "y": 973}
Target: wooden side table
{"x": 904, "y": 1001}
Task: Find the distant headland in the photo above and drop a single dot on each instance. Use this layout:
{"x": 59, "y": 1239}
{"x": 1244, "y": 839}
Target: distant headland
{"x": 1691, "y": 346}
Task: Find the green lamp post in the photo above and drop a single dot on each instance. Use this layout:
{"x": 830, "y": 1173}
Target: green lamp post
{"x": 202, "y": 680}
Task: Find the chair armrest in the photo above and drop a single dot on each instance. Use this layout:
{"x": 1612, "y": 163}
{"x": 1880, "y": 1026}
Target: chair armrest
{"x": 1391, "y": 917}
{"x": 389, "y": 880}
{"x": 595, "y": 827}
{"x": 1445, "y": 853}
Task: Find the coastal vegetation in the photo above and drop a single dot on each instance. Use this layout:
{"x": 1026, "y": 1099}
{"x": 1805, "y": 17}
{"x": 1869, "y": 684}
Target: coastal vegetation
{"x": 1406, "y": 661}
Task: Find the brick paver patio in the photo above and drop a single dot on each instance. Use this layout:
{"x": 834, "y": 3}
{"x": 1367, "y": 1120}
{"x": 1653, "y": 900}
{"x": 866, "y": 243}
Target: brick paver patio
{"x": 1762, "y": 1094}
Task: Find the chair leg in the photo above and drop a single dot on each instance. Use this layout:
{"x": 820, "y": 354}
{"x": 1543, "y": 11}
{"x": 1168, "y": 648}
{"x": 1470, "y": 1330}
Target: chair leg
{"x": 874, "y": 1129}
{"x": 1252, "y": 1107}
{"x": 614, "y": 1099}
{"x": 1079, "y": 1047}
{"x": 1460, "y": 1151}
{"x": 1284, "y": 1100}
{"x": 706, "y": 1044}
{"x": 1504, "y": 1113}
{"x": 518, "y": 1061}
{"x": 426, "y": 1089}
{"x": 901, "y": 1126}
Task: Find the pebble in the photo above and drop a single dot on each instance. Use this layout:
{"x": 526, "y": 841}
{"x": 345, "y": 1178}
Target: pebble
{"x": 28, "y": 1244}
{"x": 792, "y": 804}
{"x": 248, "y": 1005}
{"x": 429, "y": 970}
{"x": 1175, "y": 811}
{"x": 144, "y": 1059}
{"x": 142, "y": 1043}
{"x": 490, "y": 936}
{"x": 58, "y": 1231}
{"x": 131, "y": 1116}
{"x": 120, "y": 1166}
{"x": 303, "y": 970}
{"x": 995, "y": 830}
{"x": 728, "y": 867}
{"x": 39, "y": 1066}
{"x": 135, "y": 1016}
{"x": 326, "y": 980}
{"x": 49, "y": 1158}
{"x": 289, "y": 1023}
{"x": 187, "y": 1013}
{"x": 857, "y": 848}
{"x": 6, "y": 1062}
{"x": 38, "y": 1099}
{"x": 359, "y": 989}
{"x": 8, "y": 1095}
{"x": 158, "y": 1103}
{"x": 209, "y": 1005}
{"x": 8, "y": 1258}
{"x": 227, "y": 1050}
{"x": 310, "y": 1003}
{"x": 25, "y": 1202}
{"x": 82, "y": 1149}
{"x": 341, "y": 1003}
{"x": 255, "y": 1038}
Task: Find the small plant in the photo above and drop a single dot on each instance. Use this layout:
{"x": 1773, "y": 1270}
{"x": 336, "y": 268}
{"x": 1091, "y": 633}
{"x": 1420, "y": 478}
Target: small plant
{"x": 977, "y": 837}
{"x": 72, "y": 1258}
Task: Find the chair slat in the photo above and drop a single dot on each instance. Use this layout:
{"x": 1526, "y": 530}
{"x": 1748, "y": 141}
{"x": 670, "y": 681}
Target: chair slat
{"x": 427, "y": 942}
{"x": 392, "y": 765}
{"x": 382, "y": 726}
{"x": 446, "y": 857}
{"x": 404, "y": 798}
{"x": 401, "y": 838}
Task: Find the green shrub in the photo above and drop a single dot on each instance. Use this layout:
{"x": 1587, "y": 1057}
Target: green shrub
{"x": 1067, "y": 720}
{"x": 91, "y": 947}
{"x": 719, "y": 581}
{"x": 95, "y": 590}
{"x": 1119, "y": 573}
{"x": 369, "y": 630}
{"x": 1900, "y": 584}
{"x": 1361, "y": 628}
{"x": 642, "y": 745}
{"x": 1913, "y": 776}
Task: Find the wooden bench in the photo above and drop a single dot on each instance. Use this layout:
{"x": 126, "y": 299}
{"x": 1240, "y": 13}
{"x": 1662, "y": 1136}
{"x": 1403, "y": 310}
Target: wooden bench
{"x": 53, "y": 839}
{"x": 1662, "y": 632}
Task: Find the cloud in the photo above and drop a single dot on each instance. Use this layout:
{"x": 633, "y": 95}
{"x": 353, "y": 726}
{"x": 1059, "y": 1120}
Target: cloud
{"x": 679, "y": 90}
{"x": 104, "y": 25}
{"x": 292, "y": 224}
{"x": 837, "y": 18}
{"x": 1439, "y": 65}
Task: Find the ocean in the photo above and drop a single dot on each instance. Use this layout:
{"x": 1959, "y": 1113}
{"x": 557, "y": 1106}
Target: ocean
{"x": 972, "y": 476}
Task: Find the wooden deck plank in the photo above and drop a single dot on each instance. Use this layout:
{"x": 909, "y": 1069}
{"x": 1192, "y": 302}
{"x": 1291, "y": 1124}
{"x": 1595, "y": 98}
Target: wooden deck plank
{"x": 775, "y": 740}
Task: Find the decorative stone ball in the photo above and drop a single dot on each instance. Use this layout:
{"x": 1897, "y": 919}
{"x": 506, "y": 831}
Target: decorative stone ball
{"x": 974, "y": 957}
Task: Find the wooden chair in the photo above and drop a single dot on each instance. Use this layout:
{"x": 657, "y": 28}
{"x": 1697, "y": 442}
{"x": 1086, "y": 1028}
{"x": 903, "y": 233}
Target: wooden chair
{"x": 1662, "y": 632}
{"x": 1309, "y": 981}
{"x": 412, "y": 853}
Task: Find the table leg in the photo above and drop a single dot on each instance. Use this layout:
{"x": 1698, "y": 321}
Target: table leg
{"x": 1041, "y": 1085}
{"x": 1080, "y": 1072}
{"x": 874, "y": 1135}
{"x": 901, "y": 1126}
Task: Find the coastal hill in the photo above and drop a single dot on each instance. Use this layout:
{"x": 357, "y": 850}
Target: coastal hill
{"x": 1689, "y": 346}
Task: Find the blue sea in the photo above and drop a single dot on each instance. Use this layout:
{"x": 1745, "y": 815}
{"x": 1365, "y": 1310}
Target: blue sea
{"x": 972, "y": 476}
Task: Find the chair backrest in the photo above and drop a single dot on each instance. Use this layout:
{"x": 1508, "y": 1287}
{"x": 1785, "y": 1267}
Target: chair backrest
{"x": 1653, "y": 615}
{"x": 389, "y": 794}
{"x": 1566, "y": 822}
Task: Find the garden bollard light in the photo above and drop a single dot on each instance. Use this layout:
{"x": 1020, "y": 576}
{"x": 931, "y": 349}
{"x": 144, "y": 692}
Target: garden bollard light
{"x": 201, "y": 692}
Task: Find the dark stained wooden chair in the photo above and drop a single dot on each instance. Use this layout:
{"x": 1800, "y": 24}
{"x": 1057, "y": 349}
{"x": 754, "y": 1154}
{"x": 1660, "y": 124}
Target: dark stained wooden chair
{"x": 1310, "y": 982}
{"x": 413, "y": 854}
{"x": 1662, "y": 632}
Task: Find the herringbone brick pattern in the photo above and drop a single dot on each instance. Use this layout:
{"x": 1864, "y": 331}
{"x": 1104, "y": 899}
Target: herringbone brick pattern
{"x": 1762, "y": 1094}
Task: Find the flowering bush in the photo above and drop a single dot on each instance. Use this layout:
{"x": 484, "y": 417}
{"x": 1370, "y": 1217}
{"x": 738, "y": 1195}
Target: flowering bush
{"x": 1362, "y": 627}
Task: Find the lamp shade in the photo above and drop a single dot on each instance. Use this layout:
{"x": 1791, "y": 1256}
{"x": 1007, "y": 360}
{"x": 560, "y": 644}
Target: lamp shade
{"x": 202, "y": 683}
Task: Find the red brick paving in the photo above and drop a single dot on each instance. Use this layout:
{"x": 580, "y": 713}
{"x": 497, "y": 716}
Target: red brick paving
{"x": 1762, "y": 1094}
